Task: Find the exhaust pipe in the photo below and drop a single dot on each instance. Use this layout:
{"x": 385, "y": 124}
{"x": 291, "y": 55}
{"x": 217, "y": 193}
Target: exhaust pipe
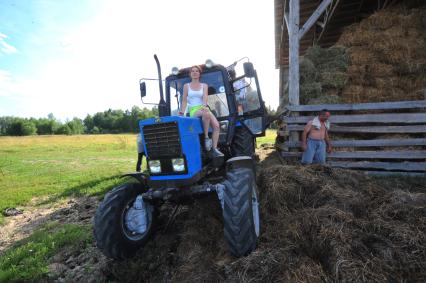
{"x": 162, "y": 107}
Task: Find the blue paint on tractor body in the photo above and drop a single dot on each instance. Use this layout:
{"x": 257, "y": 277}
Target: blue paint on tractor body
{"x": 189, "y": 131}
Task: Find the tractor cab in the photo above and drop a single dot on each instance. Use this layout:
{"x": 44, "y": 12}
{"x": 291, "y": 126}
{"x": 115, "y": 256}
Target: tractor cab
{"x": 236, "y": 102}
{"x": 234, "y": 96}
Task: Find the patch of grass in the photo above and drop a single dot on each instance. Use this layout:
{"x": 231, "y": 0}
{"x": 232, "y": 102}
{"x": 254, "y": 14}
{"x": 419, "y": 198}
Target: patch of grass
{"x": 268, "y": 138}
{"x": 28, "y": 259}
{"x": 61, "y": 166}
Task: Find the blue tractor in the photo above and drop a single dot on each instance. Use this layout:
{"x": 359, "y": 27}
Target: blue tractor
{"x": 179, "y": 168}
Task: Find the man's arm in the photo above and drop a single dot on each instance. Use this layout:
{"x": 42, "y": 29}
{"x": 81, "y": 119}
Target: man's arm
{"x": 305, "y": 133}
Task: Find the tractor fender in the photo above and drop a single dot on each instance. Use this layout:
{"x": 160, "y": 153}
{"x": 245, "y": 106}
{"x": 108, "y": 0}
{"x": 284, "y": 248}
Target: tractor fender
{"x": 240, "y": 162}
{"x": 141, "y": 177}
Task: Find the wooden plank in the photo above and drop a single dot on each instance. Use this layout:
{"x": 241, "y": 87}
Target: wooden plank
{"x": 367, "y": 129}
{"x": 401, "y": 166}
{"x": 394, "y": 173}
{"x": 407, "y": 154}
{"x": 360, "y": 106}
{"x": 368, "y": 143}
{"x": 314, "y": 17}
{"x": 294, "y": 19}
{"x": 404, "y": 118}
{"x": 294, "y": 46}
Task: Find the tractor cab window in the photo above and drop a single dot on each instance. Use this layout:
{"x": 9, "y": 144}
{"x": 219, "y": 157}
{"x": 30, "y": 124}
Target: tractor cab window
{"x": 217, "y": 100}
{"x": 217, "y": 96}
{"x": 175, "y": 87}
{"x": 246, "y": 95}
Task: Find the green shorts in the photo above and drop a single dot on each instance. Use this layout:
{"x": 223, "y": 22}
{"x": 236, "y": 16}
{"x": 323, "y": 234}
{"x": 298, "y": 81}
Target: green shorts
{"x": 194, "y": 109}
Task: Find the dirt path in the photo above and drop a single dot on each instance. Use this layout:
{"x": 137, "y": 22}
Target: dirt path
{"x": 73, "y": 210}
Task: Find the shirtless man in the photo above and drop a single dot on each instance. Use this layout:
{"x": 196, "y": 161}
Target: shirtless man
{"x": 315, "y": 140}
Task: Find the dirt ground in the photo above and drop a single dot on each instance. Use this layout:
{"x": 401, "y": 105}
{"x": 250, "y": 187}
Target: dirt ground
{"x": 318, "y": 225}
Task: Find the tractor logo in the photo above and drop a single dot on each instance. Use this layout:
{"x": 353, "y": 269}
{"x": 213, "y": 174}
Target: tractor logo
{"x": 191, "y": 129}
{"x": 158, "y": 120}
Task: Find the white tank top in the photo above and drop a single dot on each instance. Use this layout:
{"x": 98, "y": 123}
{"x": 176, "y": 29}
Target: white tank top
{"x": 195, "y": 97}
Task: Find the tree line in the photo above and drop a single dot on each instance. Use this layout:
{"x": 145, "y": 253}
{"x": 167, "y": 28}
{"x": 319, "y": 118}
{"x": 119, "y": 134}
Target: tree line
{"x": 107, "y": 122}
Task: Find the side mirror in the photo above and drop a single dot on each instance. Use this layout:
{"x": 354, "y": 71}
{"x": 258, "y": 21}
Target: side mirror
{"x": 248, "y": 69}
{"x": 142, "y": 87}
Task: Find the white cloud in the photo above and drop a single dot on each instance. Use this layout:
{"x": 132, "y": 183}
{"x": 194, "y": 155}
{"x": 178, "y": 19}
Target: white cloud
{"x": 5, "y": 47}
{"x": 106, "y": 56}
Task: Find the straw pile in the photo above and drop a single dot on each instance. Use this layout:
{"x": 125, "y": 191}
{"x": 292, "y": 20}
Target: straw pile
{"x": 387, "y": 56}
{"x": 327, "y": 225}
{"x": 318, "y": 225}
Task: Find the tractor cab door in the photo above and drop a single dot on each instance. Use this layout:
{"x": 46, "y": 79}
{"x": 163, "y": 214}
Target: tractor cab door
{"x": 250, "y": 106}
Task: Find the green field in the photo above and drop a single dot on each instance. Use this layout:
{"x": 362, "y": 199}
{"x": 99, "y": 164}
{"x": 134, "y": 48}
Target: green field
{"x": 61, "y": 166}
{"x": 268, "y": 138}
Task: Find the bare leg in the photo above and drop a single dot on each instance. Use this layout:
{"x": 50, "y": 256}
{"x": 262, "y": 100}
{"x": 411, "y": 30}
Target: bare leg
{"x": 206, "y": 122}
{"x": 216, "y": 129}
{"x": 204, "y": 114}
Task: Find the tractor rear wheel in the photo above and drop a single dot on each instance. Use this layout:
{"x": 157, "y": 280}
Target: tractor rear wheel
{"x": 123, "y": 222}
{"x": 243, "y": 142}
{"x": 241, "y": 211}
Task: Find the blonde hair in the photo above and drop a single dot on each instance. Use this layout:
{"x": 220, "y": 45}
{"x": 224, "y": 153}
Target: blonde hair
{"x": 197, "y": 67}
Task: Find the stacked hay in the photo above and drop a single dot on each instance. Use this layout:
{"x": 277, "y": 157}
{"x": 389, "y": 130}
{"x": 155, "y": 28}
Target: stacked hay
{"x": 387, "y": 56}
{"x": 318, "y": 225}
{"x": 322, "y": 75}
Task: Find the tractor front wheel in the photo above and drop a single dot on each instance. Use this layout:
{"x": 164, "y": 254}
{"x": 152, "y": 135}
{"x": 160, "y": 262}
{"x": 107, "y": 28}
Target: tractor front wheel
{"x": 241, "y": 211}
{"x": 123, "y": 222}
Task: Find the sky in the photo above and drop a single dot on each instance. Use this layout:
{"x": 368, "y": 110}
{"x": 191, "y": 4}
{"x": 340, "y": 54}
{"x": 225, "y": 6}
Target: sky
{"x": 78, "y": 57}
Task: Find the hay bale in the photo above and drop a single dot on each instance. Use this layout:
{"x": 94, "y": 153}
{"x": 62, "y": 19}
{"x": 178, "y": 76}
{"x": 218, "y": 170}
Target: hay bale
{"x": 410, "y": 66}
{"x": 334, "y": 79}
{"x": 379, "y": 69}
{"x": 387, "y": 55}
{"x": 333, "y": 58}
{"x": 360, "y": 55}
{"x": 309, "y": 91}
{"x": 351, "y": 93}
{"x": 308, "y": 72}
{"x": 325, "y": 99}
{"x": 381, "y": 20}
{"x": 382, "y": 83}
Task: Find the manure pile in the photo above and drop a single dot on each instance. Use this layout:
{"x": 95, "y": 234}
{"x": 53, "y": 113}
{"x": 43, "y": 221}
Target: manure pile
{"x": 318, "y": 225}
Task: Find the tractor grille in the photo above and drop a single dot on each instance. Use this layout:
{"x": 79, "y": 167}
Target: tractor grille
{"x": 162, "y": 140}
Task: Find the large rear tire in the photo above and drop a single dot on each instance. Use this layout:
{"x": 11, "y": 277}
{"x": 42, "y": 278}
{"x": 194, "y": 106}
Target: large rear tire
{"x": 243, "y": 142}
{"x": 240, "y": 211}
{"x": 117, "y": 225}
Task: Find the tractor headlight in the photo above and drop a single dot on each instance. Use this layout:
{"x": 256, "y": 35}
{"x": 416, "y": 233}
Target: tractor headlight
{"x": 154, "y": 166}
{"x": 178, "y": 164}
